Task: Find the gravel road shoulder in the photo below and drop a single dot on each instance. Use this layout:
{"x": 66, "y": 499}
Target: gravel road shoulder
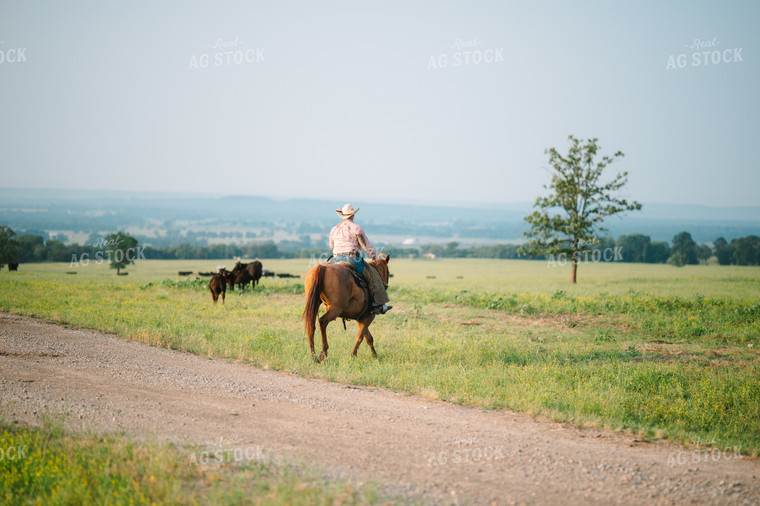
{"x": 447, "y": 453}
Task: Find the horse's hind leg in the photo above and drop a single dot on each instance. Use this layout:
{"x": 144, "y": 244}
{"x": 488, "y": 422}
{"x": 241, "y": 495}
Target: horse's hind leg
{"x": 325, "y": 319}
{"x": 311, "y": 345}
{"x": 310, "y": 335}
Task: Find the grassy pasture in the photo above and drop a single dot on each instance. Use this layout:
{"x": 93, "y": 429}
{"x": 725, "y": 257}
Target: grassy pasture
{"x": 655, "y": 349}
{"x": 49, "y": 466}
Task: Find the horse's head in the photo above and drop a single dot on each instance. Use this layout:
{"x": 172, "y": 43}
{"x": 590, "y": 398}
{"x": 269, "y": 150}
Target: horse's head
{"x": 381, "y": 264}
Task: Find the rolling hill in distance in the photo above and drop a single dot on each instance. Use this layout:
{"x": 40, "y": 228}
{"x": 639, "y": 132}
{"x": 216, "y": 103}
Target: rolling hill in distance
{"x": 169, "y": 219}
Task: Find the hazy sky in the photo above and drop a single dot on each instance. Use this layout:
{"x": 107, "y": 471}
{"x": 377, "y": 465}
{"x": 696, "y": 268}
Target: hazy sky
{"x": 403, "y": 101}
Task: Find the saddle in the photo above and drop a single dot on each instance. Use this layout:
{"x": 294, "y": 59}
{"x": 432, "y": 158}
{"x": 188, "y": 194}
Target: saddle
{"x": 358, "y": 279}
{"x": 362, "y": 284}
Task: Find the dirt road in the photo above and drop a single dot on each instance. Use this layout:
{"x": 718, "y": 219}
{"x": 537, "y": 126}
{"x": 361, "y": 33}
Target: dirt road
{"x": 449, "y": 454}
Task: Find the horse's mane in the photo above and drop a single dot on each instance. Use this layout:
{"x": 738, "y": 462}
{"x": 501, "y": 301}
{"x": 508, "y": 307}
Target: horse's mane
{"x": 382, "y": 267}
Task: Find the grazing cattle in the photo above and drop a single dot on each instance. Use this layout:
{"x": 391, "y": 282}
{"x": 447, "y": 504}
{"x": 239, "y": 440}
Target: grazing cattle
{"x": 185, "y": 273}
{"x": 229, "y": 278}
{"x": 253, "y": 269}
{"x": 267, "y": 273}
{"x": 242, "y": 279}
{"x": 217, "y": 285}
{"x": 255, "y": 266}
{"x": 287, "y": 275}
{"x": 206, "y": 274}
{"x": 13, "y": 266}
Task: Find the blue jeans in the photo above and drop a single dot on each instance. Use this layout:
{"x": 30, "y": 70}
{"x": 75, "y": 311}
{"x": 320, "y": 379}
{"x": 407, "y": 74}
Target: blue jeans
{"x": 356, "y": 260}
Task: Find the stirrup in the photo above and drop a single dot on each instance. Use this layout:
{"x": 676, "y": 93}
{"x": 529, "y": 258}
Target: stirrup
{"x": 381, "y": 309}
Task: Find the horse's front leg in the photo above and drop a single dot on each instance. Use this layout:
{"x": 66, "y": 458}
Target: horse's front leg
{"x": 364, "y": 333}
{"x": 359, "y": 338}
{"x": 370, "y": 342}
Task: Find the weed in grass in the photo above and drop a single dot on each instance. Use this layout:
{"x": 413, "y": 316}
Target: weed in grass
{"x": 604, "y": 336}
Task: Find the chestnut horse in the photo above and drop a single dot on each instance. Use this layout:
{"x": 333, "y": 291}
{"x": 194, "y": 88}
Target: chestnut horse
{"x": 334, "y": 285}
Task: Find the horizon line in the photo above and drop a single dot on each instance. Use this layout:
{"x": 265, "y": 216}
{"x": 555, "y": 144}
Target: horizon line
{"x": 424, "y": 203}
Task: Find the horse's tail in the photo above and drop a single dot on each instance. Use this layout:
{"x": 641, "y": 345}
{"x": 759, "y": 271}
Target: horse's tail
{"x": 317, "y": 278}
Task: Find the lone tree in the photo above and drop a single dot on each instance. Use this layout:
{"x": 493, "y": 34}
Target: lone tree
{"x": 121, "y": 247}
{"x": 568, "y": 221}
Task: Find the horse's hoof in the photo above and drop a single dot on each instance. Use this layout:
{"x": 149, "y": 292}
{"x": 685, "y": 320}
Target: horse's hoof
{"x": 322, "y": 356}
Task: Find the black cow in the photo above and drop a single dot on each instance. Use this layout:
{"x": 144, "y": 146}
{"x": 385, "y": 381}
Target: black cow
{"x": 257, "y": 271}
{"x": 13, "y": 266}
{"x": 253, "y": 269}
{"x": 241, "y": 278}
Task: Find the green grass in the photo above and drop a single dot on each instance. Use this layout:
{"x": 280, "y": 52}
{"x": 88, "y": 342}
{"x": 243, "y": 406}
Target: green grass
{"x": 48, "y": 466}
{"x": 659, "y": 350}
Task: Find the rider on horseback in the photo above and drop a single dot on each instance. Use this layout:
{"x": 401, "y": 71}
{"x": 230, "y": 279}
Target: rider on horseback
{"x": 347, "y": 239}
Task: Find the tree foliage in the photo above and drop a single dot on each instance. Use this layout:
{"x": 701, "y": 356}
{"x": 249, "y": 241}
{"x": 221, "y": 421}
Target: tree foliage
{"x": 684, "y": 250}
{"x": 740, "y": 251}
{"x": 569, "y": 220}
{"x": 640, "y": 248}
{"x": 9, "y": 249}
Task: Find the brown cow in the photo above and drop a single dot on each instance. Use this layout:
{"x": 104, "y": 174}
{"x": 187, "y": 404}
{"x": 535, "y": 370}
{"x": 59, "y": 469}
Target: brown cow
{"x": 217, "y": 285}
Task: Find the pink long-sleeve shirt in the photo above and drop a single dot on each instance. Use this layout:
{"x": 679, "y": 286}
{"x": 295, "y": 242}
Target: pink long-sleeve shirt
{"x": 347, "y": 237}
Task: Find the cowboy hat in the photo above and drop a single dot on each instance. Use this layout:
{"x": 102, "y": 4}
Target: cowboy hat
{"x": 347, "y": 211}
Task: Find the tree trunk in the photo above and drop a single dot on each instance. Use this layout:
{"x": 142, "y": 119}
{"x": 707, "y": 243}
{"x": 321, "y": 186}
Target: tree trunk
{"x": 574, "y": 260}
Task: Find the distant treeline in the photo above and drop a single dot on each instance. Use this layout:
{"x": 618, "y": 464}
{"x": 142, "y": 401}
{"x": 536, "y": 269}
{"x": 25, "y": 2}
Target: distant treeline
{"x": 33, "y": 248}
{"x": 631, "y": 248}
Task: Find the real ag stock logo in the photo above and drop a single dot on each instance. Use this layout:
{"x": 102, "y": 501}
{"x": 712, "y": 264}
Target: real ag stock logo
{"x": 108, "y": 251}
{"x": 465, "y": 53}
{"x": 584, "y": 251}
{"x": 225, "y": 53}
{"x": 704, "y": 53}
